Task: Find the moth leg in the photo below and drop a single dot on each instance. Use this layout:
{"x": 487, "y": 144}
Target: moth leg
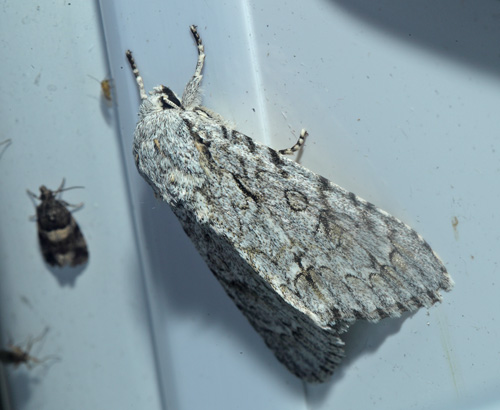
{"x": 297, "y": 146}
{"x": 138, "y": 78}
{"x": 75, "y": 207}
{"x": 61, "y": 189}
{"x": 34, "y": 340}
{"x": 192, "y": 96}
{"x": 32, "y": 194}
{"x": 32, "y": 359}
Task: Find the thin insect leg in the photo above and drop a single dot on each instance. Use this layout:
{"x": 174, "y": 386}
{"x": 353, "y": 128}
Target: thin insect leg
{"x": 75, "y": 207}
{"x": 32, "y": 194}
{"x": 32, "y": 341}
{"x": 35, "y": 360}
{"x": 297, "y": 146}
{"x": 137, "y": 76}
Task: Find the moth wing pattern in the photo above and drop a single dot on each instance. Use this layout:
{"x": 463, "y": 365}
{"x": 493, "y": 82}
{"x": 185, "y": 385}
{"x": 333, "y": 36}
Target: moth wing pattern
{"x": 61, "y": 240}
{"x": 301, "y": 257}
{"x": 332, "y": 253}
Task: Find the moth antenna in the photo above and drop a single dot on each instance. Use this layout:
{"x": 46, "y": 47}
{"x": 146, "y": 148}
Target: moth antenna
{"x": 137, "y": 75}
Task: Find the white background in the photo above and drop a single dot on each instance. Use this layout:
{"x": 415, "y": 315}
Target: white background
{"x": 401, "y": 102}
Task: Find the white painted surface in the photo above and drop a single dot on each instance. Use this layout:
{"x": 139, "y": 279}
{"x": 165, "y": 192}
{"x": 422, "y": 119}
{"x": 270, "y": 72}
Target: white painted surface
{"x": 401, "y": 103}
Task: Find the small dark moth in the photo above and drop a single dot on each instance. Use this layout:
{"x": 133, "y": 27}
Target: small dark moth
{"x": 61, "y": 240}
{"x": 16, "y": 355}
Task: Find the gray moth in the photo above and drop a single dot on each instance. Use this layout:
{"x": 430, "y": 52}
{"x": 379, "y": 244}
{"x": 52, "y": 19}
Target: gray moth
{"x": 301, "y": 257}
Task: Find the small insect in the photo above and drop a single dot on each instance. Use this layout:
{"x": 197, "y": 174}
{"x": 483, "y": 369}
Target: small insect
{"x": 105, "y": 88}
{"x": 301, "y": 257}
{"x": 16, "y": 355}
{"x": 61, "y": 240}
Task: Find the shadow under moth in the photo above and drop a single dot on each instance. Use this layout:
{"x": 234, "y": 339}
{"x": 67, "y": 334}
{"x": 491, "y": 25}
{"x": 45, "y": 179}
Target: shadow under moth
{"x": 301, "y": 257}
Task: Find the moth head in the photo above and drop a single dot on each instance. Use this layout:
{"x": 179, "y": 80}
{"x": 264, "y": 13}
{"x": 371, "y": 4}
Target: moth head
{"x": 165, "y": 98}
{"x": 45, "y": 193}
